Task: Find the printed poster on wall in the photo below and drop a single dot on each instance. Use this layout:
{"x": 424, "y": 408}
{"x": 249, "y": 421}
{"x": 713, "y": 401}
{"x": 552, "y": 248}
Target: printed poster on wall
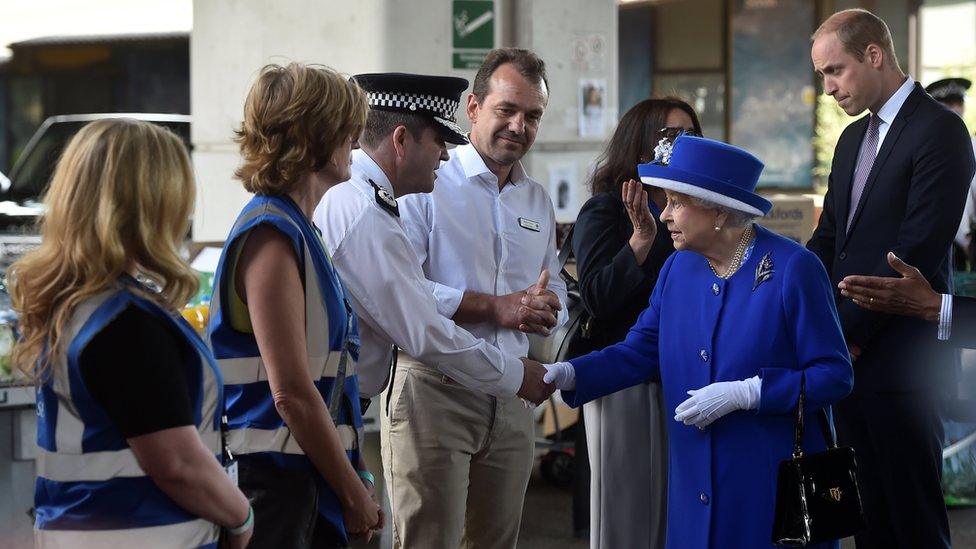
{"x": 592, "y": 96}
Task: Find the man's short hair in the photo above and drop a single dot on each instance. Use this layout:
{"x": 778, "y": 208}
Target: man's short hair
{"x": 381, "y": 123}
{"x": 528, "y": 64}
{"x": 856, "y": 29}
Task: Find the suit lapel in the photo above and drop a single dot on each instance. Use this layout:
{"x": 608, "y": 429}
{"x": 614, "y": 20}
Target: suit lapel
{"x": 890, "y": 140}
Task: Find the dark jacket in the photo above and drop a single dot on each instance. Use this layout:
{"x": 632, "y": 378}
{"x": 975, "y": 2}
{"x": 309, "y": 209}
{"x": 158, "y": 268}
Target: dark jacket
{"x": 911, "y": 204}
{"x": 614, "y": 288}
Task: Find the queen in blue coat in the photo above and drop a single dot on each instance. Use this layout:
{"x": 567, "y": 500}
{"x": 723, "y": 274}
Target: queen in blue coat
{"x": 738, "y": 318}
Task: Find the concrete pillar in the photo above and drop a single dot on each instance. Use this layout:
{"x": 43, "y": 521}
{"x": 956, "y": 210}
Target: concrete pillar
{"x": 232, "y": 39}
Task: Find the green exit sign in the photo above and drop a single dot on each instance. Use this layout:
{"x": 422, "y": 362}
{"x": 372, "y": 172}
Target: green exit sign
{"x": 473, "y": 33}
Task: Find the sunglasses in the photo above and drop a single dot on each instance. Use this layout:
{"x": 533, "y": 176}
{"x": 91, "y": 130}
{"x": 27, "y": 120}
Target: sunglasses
{"x": 672, "y": 133}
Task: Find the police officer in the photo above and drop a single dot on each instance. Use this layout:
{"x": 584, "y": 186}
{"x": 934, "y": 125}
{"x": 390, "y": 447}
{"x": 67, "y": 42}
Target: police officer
{"x": 951, "y": 92}
{"x": 411, "y": 118}
{"x": 129, "y": 396}
{"x": 281, "y": 329}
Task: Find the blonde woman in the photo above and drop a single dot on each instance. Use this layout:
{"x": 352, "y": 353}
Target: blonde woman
{"x": 282, "y": 331}
{"x": 129, "y": 397}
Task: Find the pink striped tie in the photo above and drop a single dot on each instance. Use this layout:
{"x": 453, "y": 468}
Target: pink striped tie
{"x": 869, "y": 150}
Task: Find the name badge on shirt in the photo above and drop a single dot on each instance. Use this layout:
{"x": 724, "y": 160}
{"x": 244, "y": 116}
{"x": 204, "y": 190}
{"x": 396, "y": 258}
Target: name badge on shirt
{"x": 529, "y": 224}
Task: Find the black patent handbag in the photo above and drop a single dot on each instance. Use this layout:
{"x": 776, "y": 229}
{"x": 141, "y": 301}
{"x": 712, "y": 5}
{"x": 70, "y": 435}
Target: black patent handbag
{"x": 817, "y": 496}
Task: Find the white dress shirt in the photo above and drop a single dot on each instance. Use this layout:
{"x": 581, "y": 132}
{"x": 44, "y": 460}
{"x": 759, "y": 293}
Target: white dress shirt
{"x": 391, "y": 296}
{"x": 469, "y": 236}
{"x": 945, "y": 318}
{"x": 890, "y": 109}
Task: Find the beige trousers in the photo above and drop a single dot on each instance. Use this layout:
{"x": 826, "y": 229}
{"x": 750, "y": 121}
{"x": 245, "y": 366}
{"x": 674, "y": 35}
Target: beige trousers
{"x": 456, "y": 461}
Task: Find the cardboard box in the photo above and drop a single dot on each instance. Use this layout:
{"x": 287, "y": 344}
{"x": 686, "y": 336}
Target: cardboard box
{"x": 793, "y": 216}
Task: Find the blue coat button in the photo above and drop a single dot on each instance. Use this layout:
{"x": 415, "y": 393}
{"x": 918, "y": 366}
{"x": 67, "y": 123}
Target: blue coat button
{"x": 704, "y": 355}
{"x": 704, "y": 498}
{"x": 715, "y": 289}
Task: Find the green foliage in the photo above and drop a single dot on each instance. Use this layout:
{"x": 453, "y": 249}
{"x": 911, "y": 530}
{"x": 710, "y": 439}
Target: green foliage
{"x": 831, "y": 121}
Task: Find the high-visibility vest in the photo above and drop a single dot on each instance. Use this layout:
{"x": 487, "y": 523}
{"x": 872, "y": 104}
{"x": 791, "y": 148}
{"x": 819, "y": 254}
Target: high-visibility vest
{"x": 255, "y": 430}
{"x": 90, "y": 490}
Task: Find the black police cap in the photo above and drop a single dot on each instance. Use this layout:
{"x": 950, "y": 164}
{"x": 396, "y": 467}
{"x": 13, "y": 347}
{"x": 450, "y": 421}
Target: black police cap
{"x": 949, "y": 90}
{"x": 434, "y": 96}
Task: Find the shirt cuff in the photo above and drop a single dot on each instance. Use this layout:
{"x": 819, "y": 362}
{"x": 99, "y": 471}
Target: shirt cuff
{"x": 945, "y": 318}
{"x": 511, "y": 380}
{"x": 448, "y": 299}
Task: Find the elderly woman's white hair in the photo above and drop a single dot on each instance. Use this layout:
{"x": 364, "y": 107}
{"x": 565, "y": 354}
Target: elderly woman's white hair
{"x": 736, "y": 218}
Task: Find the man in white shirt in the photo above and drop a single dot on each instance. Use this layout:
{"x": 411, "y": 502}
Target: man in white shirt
{"x": 484, "y": 235}
{"x": 409, "y": 120}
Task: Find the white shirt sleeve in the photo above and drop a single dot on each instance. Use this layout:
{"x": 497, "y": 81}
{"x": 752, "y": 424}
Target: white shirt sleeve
{"x": 945, "y": 318}
{"x": 416, "y": 207}
{"x": 391, "y": 294}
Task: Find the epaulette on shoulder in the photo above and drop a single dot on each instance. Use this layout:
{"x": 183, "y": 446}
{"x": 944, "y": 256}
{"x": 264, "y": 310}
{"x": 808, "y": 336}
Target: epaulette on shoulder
{"x": 385, "y": 200}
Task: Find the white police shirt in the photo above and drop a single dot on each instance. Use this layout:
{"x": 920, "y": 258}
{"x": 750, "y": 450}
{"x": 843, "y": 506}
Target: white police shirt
{"x": 392, "y": 298}
{"x": 469, "y": 236}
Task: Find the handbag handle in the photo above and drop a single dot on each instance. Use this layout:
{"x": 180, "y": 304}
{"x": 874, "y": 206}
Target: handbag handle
{"x": 565, "y": 252}
{"x": 825, "y": 424}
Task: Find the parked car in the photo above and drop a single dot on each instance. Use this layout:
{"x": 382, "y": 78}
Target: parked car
{"x": 29, "y": 178}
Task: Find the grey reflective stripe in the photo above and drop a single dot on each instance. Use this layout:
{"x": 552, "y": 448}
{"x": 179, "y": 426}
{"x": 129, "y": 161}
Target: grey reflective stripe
{"x": 250, "y": 369}
{"x": 193, "y": 533}
{"x": 69, "y": 463}
{"x": 253, "y": 441}
{"x": 70, "y": 430}
{"x": 100, "y": 466}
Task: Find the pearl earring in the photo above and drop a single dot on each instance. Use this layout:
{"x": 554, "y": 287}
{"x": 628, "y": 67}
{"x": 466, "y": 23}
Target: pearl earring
{"x": 717, "y": 228}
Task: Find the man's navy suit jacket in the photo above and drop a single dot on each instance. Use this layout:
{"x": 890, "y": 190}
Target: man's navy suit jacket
{"x": 911, "y": 204}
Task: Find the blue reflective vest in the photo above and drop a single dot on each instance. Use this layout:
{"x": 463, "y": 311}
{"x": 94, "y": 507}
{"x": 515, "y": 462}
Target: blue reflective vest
{"x": 90, "y": 490}
{"x": 255, "y": 430}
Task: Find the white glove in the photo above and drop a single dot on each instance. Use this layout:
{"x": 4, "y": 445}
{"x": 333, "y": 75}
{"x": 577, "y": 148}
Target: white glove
{"x": 562, "y": 374}
{"x": 714, "y": 401}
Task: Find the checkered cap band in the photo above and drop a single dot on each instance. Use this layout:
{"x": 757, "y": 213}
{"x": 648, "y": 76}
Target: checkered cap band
{"x": 439, "y": 106}
{"x": 951, "y": 89}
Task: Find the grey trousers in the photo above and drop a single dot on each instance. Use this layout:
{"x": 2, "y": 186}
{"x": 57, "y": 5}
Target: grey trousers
{"x": 457, "y": 462}
{"x": 628, "y": 451}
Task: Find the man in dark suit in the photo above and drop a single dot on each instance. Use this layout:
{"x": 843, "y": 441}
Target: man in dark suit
{"x": 898, "y": 183}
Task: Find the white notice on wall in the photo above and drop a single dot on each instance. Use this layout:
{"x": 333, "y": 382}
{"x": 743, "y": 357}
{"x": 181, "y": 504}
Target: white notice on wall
{"x": 592, "y": 98}
{"x": 562, "y": 190}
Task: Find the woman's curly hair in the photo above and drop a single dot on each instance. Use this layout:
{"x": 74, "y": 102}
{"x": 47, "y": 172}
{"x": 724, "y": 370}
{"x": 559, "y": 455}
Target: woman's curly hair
{"x": 294, "y": 119}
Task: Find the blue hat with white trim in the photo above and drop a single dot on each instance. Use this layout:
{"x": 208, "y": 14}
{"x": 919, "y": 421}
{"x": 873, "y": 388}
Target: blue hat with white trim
{"x": 709, "y": 169}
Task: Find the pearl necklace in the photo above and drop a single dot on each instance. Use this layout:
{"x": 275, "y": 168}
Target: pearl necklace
{"x": 740, "y": 250}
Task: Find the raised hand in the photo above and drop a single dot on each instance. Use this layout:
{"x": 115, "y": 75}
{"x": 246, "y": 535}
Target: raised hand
{"x": 645, "y": 229}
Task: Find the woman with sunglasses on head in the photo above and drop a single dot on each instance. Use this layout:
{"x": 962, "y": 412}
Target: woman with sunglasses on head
{"x": 620, "y": 247}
